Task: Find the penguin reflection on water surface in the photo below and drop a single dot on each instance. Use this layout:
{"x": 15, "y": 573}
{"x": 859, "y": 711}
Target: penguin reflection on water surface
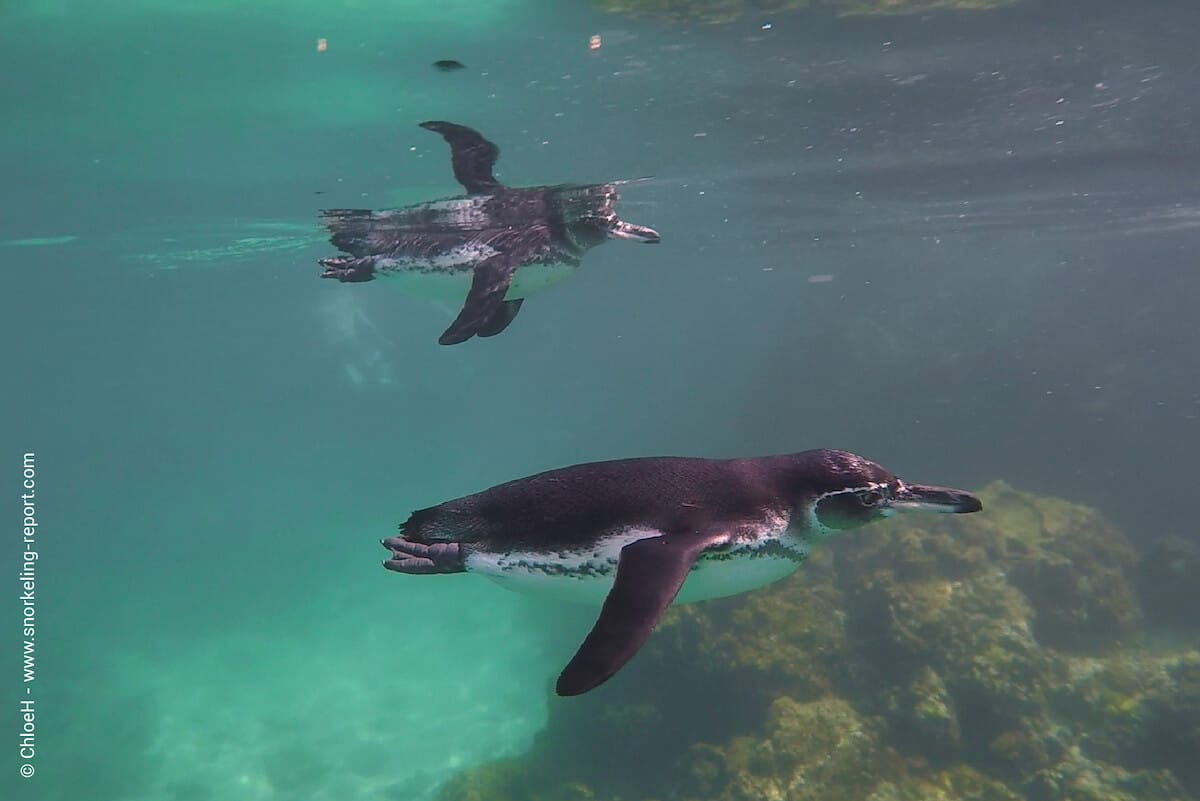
{"x": 495, "y": 246}
{"x": 641, "y": 534}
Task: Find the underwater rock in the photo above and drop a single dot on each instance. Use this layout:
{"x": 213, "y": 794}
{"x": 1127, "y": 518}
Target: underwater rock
{"x": 1073, "y": 566}
{"x": 945, "y": 657}
{"x": 960, "y": 783}
{"x": 1172, "y": 723}
{"x": 1079, "y": 779}
{"x": 716, "y": 11}
{"x": 820, "y": 751}
{"x": 1105, "y": 699}
{"x": 745, "y": 652}
{"x": 1137, "y": 710}
{"x": 790, "y": 641}
{"x": 950, "y": 621}
{"x": 1167, "y": 581}
{"x": 924, "y": 717}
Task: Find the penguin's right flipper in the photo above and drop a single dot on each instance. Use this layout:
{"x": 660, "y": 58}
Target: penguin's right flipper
{"x": 649, "y": 575}
{"x": 485, "y": 301}
{"x": 501, "y": 318}
{"x": 471, "y": 156}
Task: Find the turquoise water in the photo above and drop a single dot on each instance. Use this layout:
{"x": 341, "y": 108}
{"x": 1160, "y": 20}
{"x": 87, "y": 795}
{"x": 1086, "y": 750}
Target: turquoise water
{"x": 961, "y": 245}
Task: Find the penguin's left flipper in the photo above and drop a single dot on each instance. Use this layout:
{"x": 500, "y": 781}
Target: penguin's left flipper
{"x": 471, "y": 156}
{"x": 485, "y": 312}
{"x": 649, "y": 575}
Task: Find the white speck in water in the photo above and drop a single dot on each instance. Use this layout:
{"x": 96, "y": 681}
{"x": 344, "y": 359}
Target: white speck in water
{"x": 820, "y": 279}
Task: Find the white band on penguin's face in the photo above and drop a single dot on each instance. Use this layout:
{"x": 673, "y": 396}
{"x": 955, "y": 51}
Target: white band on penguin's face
{"x": 851, "y": 507}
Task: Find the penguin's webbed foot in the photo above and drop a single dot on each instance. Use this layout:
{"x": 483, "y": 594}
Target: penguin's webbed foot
{"x": 347, "y": 269}
{"x": 414, "y": 557}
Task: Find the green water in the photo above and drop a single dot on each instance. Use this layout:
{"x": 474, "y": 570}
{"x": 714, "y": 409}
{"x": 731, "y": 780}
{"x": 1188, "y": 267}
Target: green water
{"x": 962, "y": 246}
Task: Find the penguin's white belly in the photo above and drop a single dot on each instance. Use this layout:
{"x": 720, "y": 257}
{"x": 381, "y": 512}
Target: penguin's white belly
{"x": 447, "y": 277}
{"x": 534, "y": 278}
{"x": 586, "y": 577}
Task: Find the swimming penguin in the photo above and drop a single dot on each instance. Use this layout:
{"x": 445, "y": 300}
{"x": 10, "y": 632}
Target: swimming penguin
{"x": 641, "y": 534}
{"x": 495, "y": 246}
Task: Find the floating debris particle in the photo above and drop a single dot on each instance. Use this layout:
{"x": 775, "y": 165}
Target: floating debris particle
{"x": 448, "y": 65}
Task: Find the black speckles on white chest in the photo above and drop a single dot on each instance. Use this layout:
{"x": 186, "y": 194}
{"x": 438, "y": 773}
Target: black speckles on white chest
{"x": 448, "y": 276}
{"x": 586, "y": 575}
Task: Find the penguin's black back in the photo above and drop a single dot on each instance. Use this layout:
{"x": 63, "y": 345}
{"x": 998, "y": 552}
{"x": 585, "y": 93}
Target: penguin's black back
{"x": 574, "y": 506}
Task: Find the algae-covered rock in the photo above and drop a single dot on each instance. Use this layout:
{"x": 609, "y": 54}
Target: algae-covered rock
{"x": 820, "y": 750}
{"x": 1172, "y": 723}
{"x": 924, "y": 717}
{"x": 709, "y": 673}
{"x": 1167, "y": 581}
{"x": 1074, "y": 567}
{"x": 1105, "y": 698}
{"x": 946, "y": 658}
{"x": 790, "y": 640}
{"x": 957, "y": 784}
{"x": 1077, "y": 778}
{"x": 949, "y": 622}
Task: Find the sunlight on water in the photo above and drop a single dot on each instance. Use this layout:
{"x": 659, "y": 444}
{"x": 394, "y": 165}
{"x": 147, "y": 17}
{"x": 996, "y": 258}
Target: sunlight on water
{"x": 270, "y": 715}
{"x": 462, "y": 12}
{"x": 349, "y": 331}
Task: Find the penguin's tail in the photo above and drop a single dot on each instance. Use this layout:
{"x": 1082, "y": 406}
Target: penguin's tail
{"x": 435, "y": 524}
{"x": 349, "y": 229}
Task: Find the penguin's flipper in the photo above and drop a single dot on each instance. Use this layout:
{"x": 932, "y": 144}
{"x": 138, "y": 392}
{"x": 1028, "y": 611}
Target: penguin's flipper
{"x": 500, "y": 320}
{"x": 485, "y": 301}
{"x": 649, "y": 575}
{"x": 471, "y": 156}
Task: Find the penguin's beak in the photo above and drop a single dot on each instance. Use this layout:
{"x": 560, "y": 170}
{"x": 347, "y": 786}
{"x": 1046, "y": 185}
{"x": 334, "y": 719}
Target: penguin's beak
{"x": 924, "y": 498}
{"x": 635, "y": 233}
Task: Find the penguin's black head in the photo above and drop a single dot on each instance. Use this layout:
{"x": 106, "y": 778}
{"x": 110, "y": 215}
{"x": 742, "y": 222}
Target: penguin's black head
{"x": 590, "y": 216}
{"x": 854, "y": 491}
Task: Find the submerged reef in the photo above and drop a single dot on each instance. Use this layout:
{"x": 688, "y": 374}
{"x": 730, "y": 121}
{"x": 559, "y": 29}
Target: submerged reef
{"x": 989, "y": 657}
{"x": 716, "y": 11}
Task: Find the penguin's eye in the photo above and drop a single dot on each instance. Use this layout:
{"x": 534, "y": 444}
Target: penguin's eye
{"x": 870, "y": 498}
